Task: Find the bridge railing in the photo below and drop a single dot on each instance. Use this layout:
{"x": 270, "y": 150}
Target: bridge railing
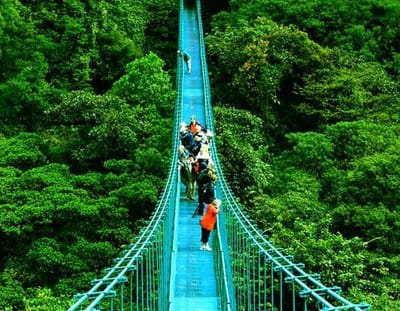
{"x": 264, "y": 277}
{"x": 140, "y": 277}
{"x": 221, "y": 253}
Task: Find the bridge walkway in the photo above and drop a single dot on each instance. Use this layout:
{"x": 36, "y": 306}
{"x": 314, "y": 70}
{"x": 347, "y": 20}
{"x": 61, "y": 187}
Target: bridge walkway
{"x": 194, "y": 278}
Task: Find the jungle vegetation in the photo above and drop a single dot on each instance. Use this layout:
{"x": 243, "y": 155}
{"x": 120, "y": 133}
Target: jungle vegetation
{"x": 86, "y": 102}
{"x": 311, "y": 88}
{"x": 86, "y": 106}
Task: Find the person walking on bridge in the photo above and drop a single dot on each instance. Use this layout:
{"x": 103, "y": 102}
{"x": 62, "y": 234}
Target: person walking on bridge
{"x": 207, "y": 223}
{"x": 188, "y": 60}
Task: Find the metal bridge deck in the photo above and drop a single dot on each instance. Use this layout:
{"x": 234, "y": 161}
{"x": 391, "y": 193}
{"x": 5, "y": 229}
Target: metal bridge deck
{"x": 195, "y": 286}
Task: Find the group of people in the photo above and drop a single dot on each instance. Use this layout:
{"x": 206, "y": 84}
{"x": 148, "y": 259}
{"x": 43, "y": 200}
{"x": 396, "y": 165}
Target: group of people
{"x": 197, "y": 168}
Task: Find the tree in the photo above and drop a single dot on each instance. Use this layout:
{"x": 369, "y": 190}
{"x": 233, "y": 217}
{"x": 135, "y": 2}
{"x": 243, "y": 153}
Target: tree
{"x": 363, "y": 28}
{"x": 72, "y": 149}
{"x": 147, "y": 85}
{"x": 263, "y": 62}
{"x": 91, "y": 42}
{"x": 24, "y": 151}
{"x": 24, "y": 92}
{"x": 350, "y": 92}
{"x": 241, "y": 151}
{"x": 43, "y": 300}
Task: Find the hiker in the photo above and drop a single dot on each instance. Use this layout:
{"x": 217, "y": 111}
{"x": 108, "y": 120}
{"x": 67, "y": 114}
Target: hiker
{"x": 188, "y": 60}
{"x": 205, "y": 188}
{"x": 207, "y": 223}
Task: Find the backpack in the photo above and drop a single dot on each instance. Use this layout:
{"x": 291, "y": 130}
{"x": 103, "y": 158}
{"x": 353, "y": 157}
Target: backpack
{"x": 204, "y": 176}
{"x": 209, "y": 192}
{"x": 187, "y": 140}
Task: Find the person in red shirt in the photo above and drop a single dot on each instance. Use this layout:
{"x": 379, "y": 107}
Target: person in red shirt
{"x": 207, "y": 223}
{"x": 194, "y": 125}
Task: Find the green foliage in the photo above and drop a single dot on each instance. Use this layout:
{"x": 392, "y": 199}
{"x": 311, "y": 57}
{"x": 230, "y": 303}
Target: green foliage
{"x": 363, "y": 28}
{"x": 99, "y": 153}
{"x": 93, "y": 253}
{"x": 311, "y": 151}
{"x": 42, "y": 299}
{"x": 381, "y": 301}
{"x": 25, "y": 95}
{"x": 23, "y": 89}
{"x": 161, "y": 33}
{"x": 354, "y": 92}
{"x": 294, "y": 195}
{"x": 11, "y": 291}
{"x": 119, "y": 166}
{"x": 23, "y": 151}
{"x": 353, "y": 140}
{"x": 241, "y": 151}
{"x": 90, "y": 42}
{"x": 151, "y": 162}
{"x": 146, "y": 84}
{"x": 282, "y": 75}
{"x": 322, "y": 76}
{"x": 75, "y": 155}
{"x": 263, "y": 62}
{"x": 46, "y": 256}
{"x": 97, "y": 127}
{"x": 139, "y": 197}
{"x": 339, "y": 260}
{"x": 93, "y": 182}
{"x": 375, "y": 179}
{"x": 294, "y": 216}
{"x": 332, "y": 200}
{"x": 239, "y": 124}
{"x": 40, "y": 221}
{"x": 380, "y": 289}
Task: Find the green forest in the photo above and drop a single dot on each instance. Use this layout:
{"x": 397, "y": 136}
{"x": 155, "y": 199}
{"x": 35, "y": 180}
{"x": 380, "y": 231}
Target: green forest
{"x": 307, "y": 108}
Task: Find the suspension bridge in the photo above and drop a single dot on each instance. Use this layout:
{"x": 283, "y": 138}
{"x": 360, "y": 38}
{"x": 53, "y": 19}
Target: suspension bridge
{"x": 166, "y": 270}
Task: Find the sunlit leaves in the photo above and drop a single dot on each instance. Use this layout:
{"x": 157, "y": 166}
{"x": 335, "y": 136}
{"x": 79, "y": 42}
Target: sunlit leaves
{"x": 332, "y": 194}
{"x": 43, "y": 299}
{"x": 358, "y": 139}
{"x": 66, "y": 193}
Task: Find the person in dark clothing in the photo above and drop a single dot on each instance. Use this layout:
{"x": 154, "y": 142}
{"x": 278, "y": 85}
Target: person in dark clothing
{"x": 188, "y": 141}
{"x": 209, "y": 191}
{"x": 187, "y": 58}
{"x": 196, "y": 146}
{"x": 206, "y": 189}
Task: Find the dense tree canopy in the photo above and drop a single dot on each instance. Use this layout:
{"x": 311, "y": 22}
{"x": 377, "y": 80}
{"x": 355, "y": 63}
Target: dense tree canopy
{"x": 317, "y": 92}
{"x": 306, "y": 98}
{"x": 78, "y": 131}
